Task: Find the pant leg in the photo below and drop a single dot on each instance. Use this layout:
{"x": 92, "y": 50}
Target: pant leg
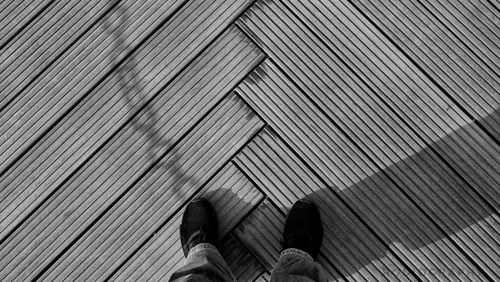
{"x": 204, "y": 263}
{"x": 296, "y": 265}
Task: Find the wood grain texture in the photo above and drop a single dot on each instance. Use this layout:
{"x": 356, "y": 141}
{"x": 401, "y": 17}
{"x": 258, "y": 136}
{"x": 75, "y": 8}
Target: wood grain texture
{"x": 125, "y": 174}
{"x": 376, "y": 96}
{"x": 342, "y": 165}
{"x": 14, "y": 15}
{"x": 454, "y": 67}
{"x": 115, "y": 114}
{"x": 232, "y": 196}
{"x": 179, "y": 103}
{"x": 76, "y": 72}
{"x": 261, "y": 233}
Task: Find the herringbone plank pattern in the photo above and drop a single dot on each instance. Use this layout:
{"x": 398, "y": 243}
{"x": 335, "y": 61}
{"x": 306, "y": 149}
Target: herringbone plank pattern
{"x": 115, "y": 114}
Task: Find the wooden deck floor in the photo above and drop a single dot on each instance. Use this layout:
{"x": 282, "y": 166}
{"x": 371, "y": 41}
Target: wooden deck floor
{"x": 115, "y": 114}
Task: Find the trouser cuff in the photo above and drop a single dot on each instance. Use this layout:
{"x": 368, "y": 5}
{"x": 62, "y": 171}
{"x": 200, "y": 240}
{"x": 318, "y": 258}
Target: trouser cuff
{"x": 296, "y": 252}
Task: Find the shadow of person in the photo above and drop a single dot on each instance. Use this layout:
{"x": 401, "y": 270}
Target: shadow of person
{"x": 434, "y": 222}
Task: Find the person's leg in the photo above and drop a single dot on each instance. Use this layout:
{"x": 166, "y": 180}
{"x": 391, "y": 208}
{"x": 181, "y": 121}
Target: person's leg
{"x": 199, "y": 234}
{"x": 302, "y": 240}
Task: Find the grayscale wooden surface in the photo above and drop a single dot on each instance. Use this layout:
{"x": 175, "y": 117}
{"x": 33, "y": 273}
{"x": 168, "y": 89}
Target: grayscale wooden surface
{"x": 115, "y": 114}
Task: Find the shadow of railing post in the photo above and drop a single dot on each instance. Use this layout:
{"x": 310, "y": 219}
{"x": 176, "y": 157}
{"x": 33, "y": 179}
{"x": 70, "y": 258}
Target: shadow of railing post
{"x": 143, "y": 116}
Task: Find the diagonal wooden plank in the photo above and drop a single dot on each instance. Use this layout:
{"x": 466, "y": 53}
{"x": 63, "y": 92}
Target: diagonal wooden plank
{"x": 15, "y": 16}
{"x": 475, "y": 26}
{"x": 57, "y": 30}
{"x": 373, "y": 116}
{"x": 242, "y": 263}
{"x": 68, "y": 145}
{"x": 125, "y": 185}
{"x": 379, "y": 97}
{"x": 261, "y": 232}
{"x": 436, "y": 52}
{"x": 337, "y": 159}
{"x": 174, "y": 40}
{"x": 67, "y": 80}
{"x": 348, "y": 244}
{"x": 232, "y": 196}
{"x": 275, "y": 168}
{"x": 264, "y": 277}
{"x": 495, "y": 4}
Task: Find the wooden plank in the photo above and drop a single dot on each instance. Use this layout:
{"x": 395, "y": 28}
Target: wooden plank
{"x": 68, "y": 145}
{"x": 15, "y": 14}
{"x": 232, "y": 196}
{"x": 374, "y": 115}
{"x": 435, "y": 50}
{"x": 348, "y": 244}
{"x": 70, "y": 77}
{"x": 475, "y": 25}
{"x": 127, "y": 185}
{"x": 45, "y": 40}
{"x": 242, "y": 263}
{"x": 261, "y": 233}
{"x": 495, "y": 4}
{"x": 90, "y": 62}
{"x": 264, "y": 277}
{"x": 327, "y": 149}
{"x": 379, "y": 96}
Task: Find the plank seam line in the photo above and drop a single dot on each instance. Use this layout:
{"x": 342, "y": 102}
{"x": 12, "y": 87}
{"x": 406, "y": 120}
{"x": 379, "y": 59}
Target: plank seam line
{"x": 332, "y": 265}
{"x": 47, "y": 267}
{"x": 97, "y": 84}
{"x": 455, "y": 171}
{"x": 67, "y": 112}
{"x": 79, "y": 245}
{"x": 187, "y": 200}
{"x": 441, "y": 88}
{"x": 458, "y": 37}
{"x": 447, "y": 236}
{"x": 260, "y": 274}
{"x": 447, "y": 163}
{"x": 245, "y": 246}
{"x": 407, "y": 125}
{"x": 262, "y": 191}
{"x": 494, "y": 6}
{"x": 435, "y": 50}
{"x": 229, "y": 233}
{"x": 161, "y": 157}
{"x": 243, "y": 218}
{"x": 61, "y": 53}
{"x": 463, "y": 49}
{"x": 26, "y": 24}
{"x": 2, "y": 240}
{"x": 248, "y": 176}
{"x": 323, "y": 181}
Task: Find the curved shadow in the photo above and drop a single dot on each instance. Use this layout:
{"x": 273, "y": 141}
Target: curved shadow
{"x": 143, "y": 116}
{"x": 451, "y": 218}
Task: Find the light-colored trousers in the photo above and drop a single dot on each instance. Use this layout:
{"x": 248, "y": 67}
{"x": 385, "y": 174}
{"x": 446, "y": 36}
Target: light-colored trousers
{"x": 205, "y": 263}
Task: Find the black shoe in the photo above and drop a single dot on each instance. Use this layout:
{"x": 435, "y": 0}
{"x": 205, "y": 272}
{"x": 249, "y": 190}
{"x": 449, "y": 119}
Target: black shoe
{"x": 303, "y": 228}
{"x": 199, "y": 225}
